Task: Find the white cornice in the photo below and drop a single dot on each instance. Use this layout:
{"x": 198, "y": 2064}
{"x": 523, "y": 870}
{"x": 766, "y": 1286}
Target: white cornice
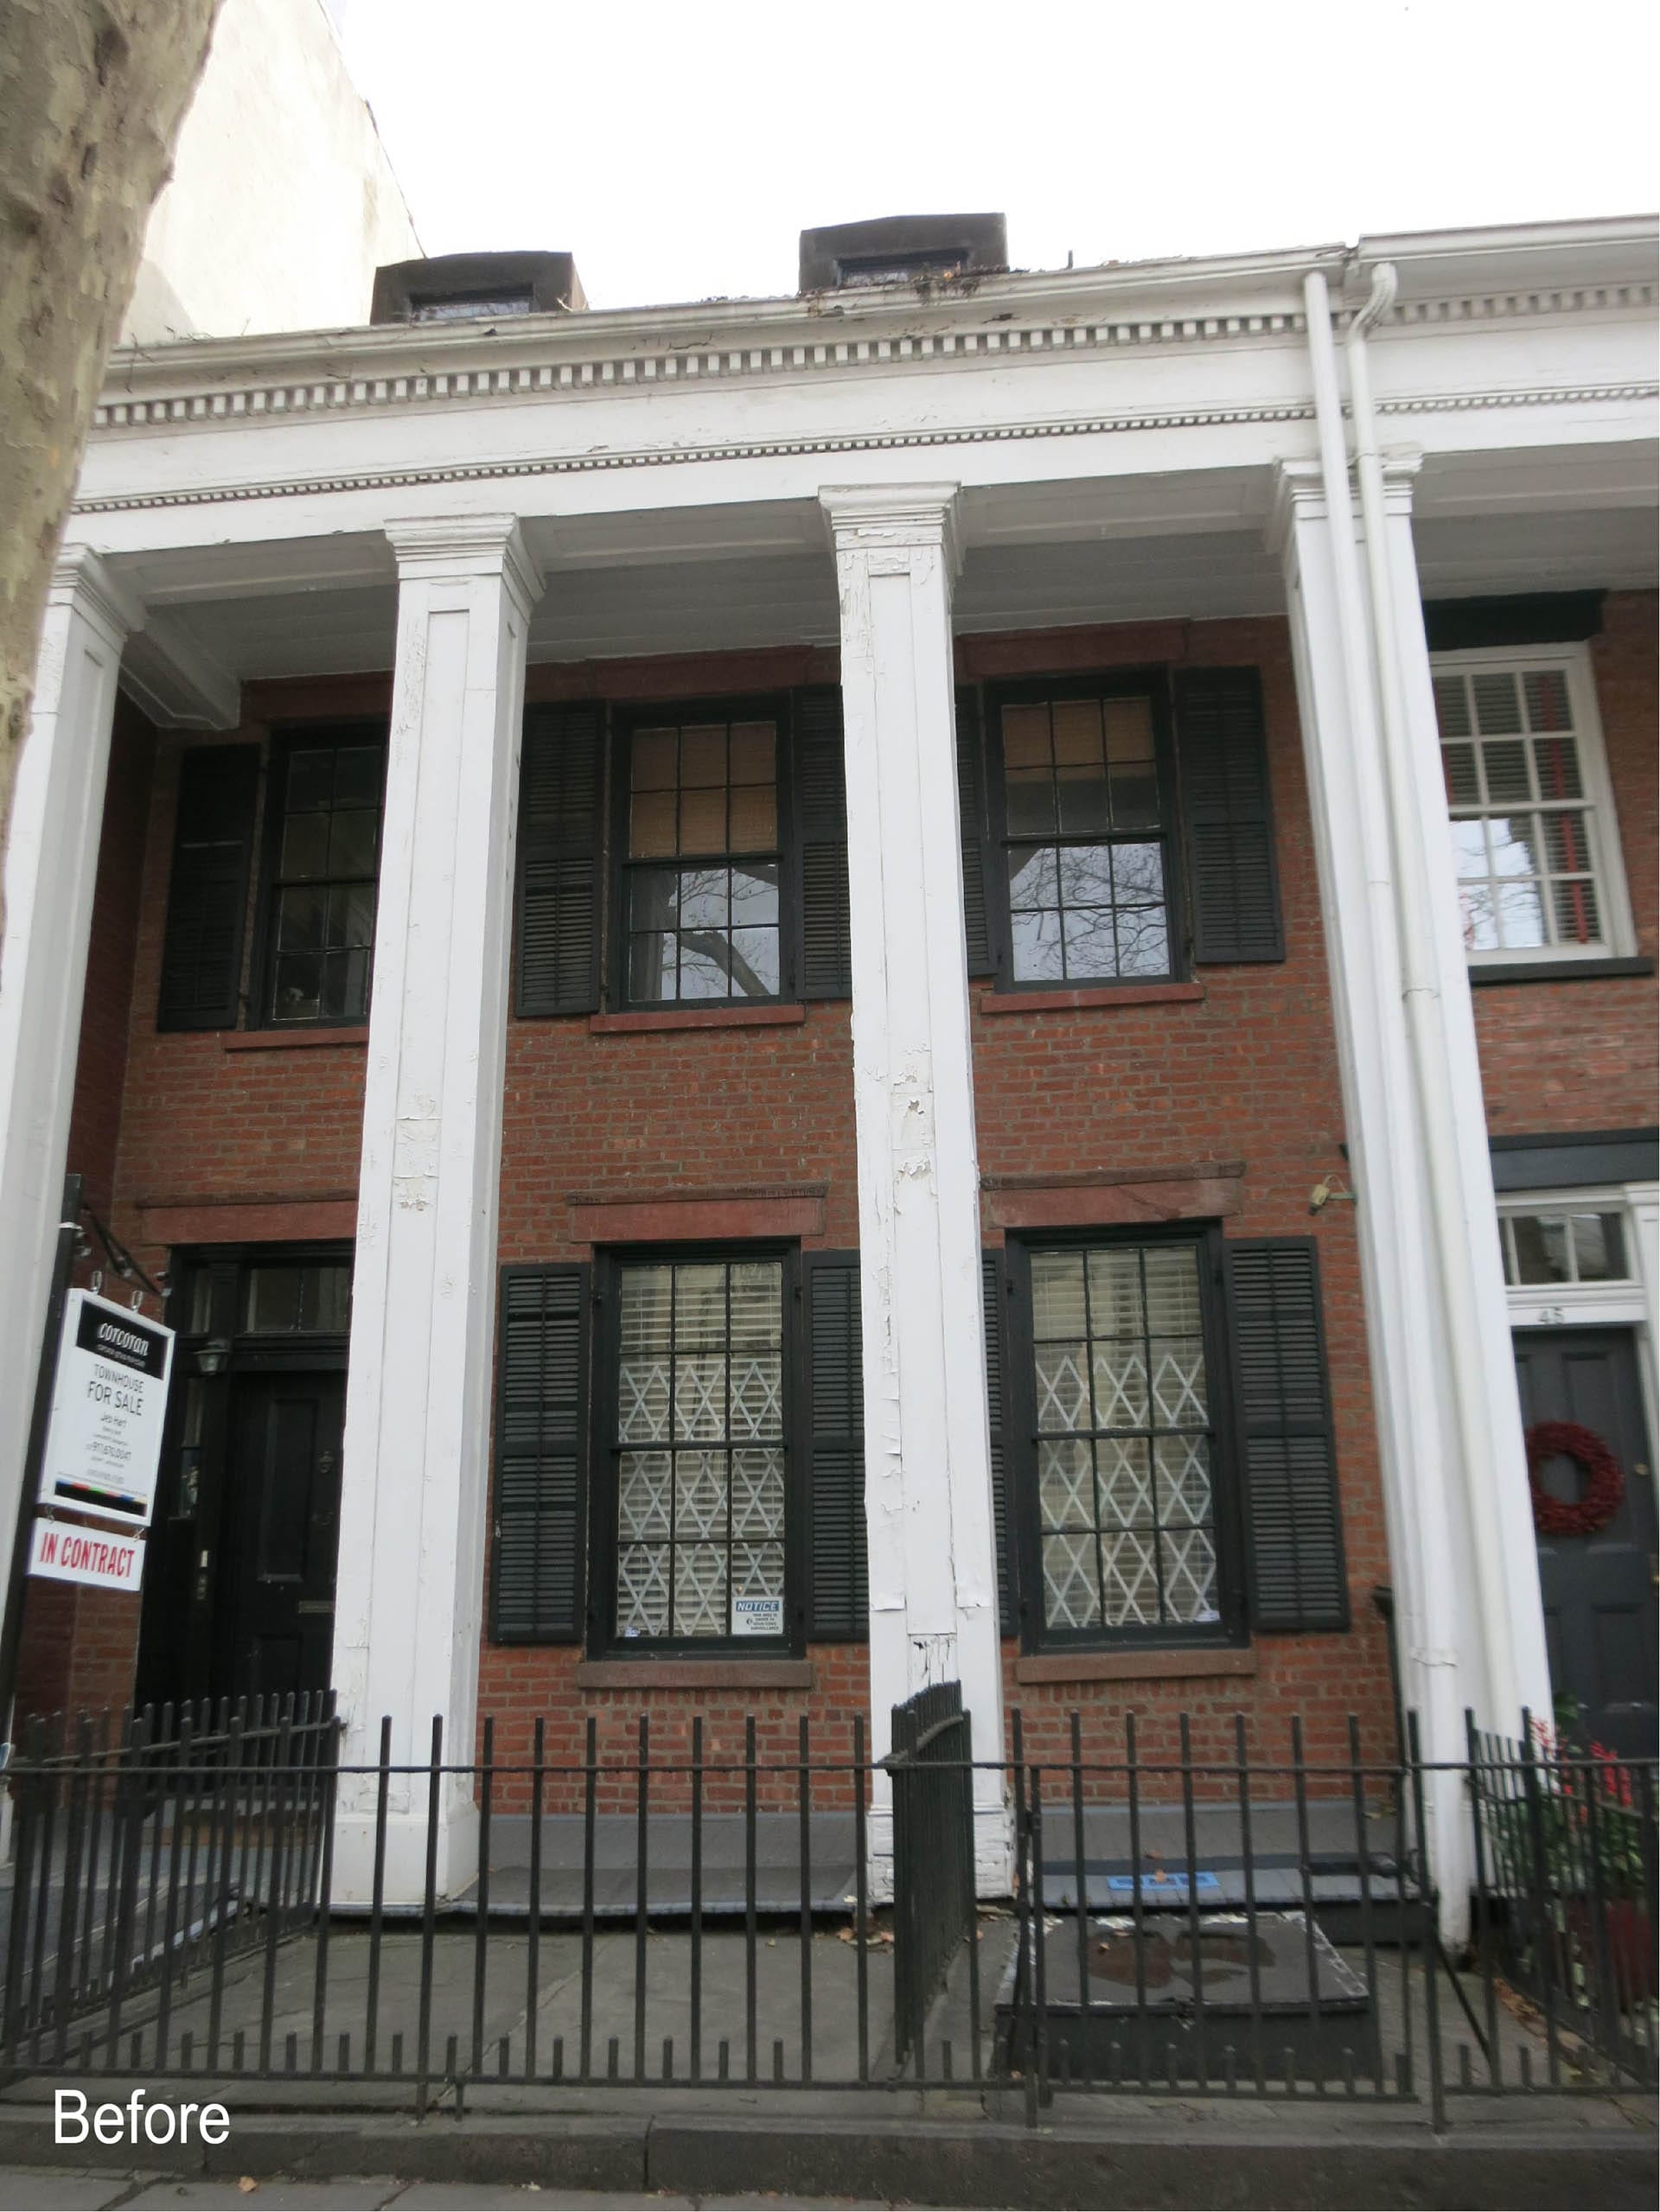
{"x": 501, "y": 469}
{"x": 1048, "y": 315}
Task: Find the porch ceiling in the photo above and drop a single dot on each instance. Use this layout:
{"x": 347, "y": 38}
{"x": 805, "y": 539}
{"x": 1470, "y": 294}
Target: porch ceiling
{"x": 1115, "y": 549}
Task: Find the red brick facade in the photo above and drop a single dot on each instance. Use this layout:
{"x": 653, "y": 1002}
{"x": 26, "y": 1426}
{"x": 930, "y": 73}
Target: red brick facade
{"x": 1239, "y": 1072}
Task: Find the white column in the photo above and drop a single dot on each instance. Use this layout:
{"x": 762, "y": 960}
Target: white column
{"x": 1428, "y": 1532}
{"x": 1516, "y": 1667}
{"x": 928, "y": 1483}
{"x": 409, "y": 1590}
{"x": 51, "y": 863}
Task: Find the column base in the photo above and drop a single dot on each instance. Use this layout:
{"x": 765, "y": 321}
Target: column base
{"x": 403, "y": 1882}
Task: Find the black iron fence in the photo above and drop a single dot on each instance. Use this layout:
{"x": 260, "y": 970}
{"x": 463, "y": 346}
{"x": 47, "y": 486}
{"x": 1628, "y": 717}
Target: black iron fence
{"x": 166, "y": 1846}
{"x": 1565, "y": 1893}
{"x": 226, "y": 1899}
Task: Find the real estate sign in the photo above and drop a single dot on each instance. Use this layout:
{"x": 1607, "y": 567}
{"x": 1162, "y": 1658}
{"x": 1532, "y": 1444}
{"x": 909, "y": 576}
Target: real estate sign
{"x": 103, "y": 1445}
{"x": 67, "y": 1550}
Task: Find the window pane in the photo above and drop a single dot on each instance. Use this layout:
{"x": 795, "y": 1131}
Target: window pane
{"x": 299, "y": 986}
{"x": 1546, "y": 692}
{"x": 1076, "y": 726}
{"x": 1125, "y": 1495}
{"x": 1031, "y": 802}
{"x": 1034, "y": 879}
{"x": 755, "y": 971}
{"x": 306, "y": 846}
{"x": 1459, "y": 764}
{"x": 310, "y": 780}
{"x": 703, "y": 821}
{"x": 1452, "y": 706}
{"x": 1058, "y": 1308}
{"x": 302, "y": 919}
{"x": 1559, "y": 769}
{"x": 357, "y": 774}
{"x": 1541, "y": 1248}
{"x": 1143, "y": 941}
{"x": 1035, "y": 947}
{"x": 1521, "y": 915}
{"x": 755, "y": 819}
{"x": 1498, "y": 707}
{"x": 352, "y": 842}
{"x": 273, "y": 1299}
{"x": 1506, "y": 770}
{"x": 1025, "y": 738}
{"x": 1576, "y": 914}
{"x": 652, "y": 755}
{"x": 702, "y": 757}
{"x": 651, "y": 823}
{"x": 1082, "y": 796}
{"x": 1588, "y": 1233}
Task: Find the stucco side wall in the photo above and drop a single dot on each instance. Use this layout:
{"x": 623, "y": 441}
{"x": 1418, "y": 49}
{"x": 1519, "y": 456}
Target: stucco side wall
{"x": 283, "y": 202}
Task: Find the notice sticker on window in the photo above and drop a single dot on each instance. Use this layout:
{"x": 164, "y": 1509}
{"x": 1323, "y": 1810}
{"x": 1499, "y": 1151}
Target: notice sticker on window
{"x": 757, "y": 1616}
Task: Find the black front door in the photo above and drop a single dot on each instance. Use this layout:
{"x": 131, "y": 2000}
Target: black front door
{"x": 277, "y": 1562}
{"x": 1599, "y": 1590}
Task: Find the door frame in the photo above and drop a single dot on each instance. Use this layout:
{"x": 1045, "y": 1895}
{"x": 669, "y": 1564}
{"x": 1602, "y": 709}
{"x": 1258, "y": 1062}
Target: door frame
{"x": 1634, "y": 1303}
{"x": 207, "y": 1303}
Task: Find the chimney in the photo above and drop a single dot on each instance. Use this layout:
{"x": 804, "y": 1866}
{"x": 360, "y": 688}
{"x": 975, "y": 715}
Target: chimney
{"x": 476, "y": 287}
{"x": 903, "y": 250}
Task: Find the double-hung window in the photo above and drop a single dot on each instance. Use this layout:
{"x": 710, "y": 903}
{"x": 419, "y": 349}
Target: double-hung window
{"x": 701, "y": 917}
{"x": 1125, "y": 1519}
{"x": 1084, "y": 806}
{"x": 324, "y": 856}
{"x": 1533, "y": 837}
{"x": 697, "y": 1428}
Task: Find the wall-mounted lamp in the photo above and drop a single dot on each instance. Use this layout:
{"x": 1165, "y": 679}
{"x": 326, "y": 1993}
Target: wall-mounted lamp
{"x": 1330, "y": 1188}
{"x": 212, "y": 1356}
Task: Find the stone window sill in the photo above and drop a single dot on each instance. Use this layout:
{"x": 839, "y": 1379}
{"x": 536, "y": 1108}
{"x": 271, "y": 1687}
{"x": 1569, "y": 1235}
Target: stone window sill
{"x": 694, "y": 1675}
{"x": 1568, "y": 971}
{"x": 1149, "y": 1666}
{"x": 287, "y": 1040}
{"x": 1106, "y": 994}
{"x": 696, "y": 1017}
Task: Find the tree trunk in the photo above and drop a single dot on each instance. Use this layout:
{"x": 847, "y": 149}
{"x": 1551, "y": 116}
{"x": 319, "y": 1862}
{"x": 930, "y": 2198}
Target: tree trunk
{"x": 91, "y": 96}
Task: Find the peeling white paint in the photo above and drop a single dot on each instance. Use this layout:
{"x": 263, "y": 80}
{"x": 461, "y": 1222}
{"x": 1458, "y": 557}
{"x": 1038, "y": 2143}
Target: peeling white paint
{"x": 927, "y": 1467}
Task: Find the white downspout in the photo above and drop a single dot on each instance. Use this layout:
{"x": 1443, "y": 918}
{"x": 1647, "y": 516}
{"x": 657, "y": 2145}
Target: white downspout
{"x": 1421, "y": 988}
{"x": 1425, "y": 1563}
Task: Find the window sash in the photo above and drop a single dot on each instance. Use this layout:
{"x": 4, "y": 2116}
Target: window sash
{"x": 1163, "y": 912}
{"x": 1551, "y": 879}
{"x": 620, "y": 1544}
{"x": 1028, "y": 1433}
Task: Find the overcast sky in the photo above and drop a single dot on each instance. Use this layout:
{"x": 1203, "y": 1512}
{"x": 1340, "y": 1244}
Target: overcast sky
{"x": 676, "y": 149}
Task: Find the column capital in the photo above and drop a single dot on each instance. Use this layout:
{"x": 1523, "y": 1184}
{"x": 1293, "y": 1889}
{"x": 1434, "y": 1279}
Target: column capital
{"x": 1400, "y": 466}
{"x": 1299, "y": 496}
{"x": 894, "y": 519}
{"x": 82, "y": 577}
{"x": 437, "y": 546}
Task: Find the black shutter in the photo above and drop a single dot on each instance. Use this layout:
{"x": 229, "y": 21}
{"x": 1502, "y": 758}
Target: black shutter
{"x": 993, "y": 1279}
{"x": 536, "y": 1577}
{"x": 1227, "y": 819}
{"x": 976, "y": 850}
{"x": 207, "y": 898}
{"x": 1293, "y": 1528}
{"x": 560, "y": 777}
{"x": 834, "y": 1431}
{"x": 826, "y": 970}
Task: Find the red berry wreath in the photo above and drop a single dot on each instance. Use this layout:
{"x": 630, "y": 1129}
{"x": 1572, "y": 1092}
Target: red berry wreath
{"x": 1605, "y": 1485}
